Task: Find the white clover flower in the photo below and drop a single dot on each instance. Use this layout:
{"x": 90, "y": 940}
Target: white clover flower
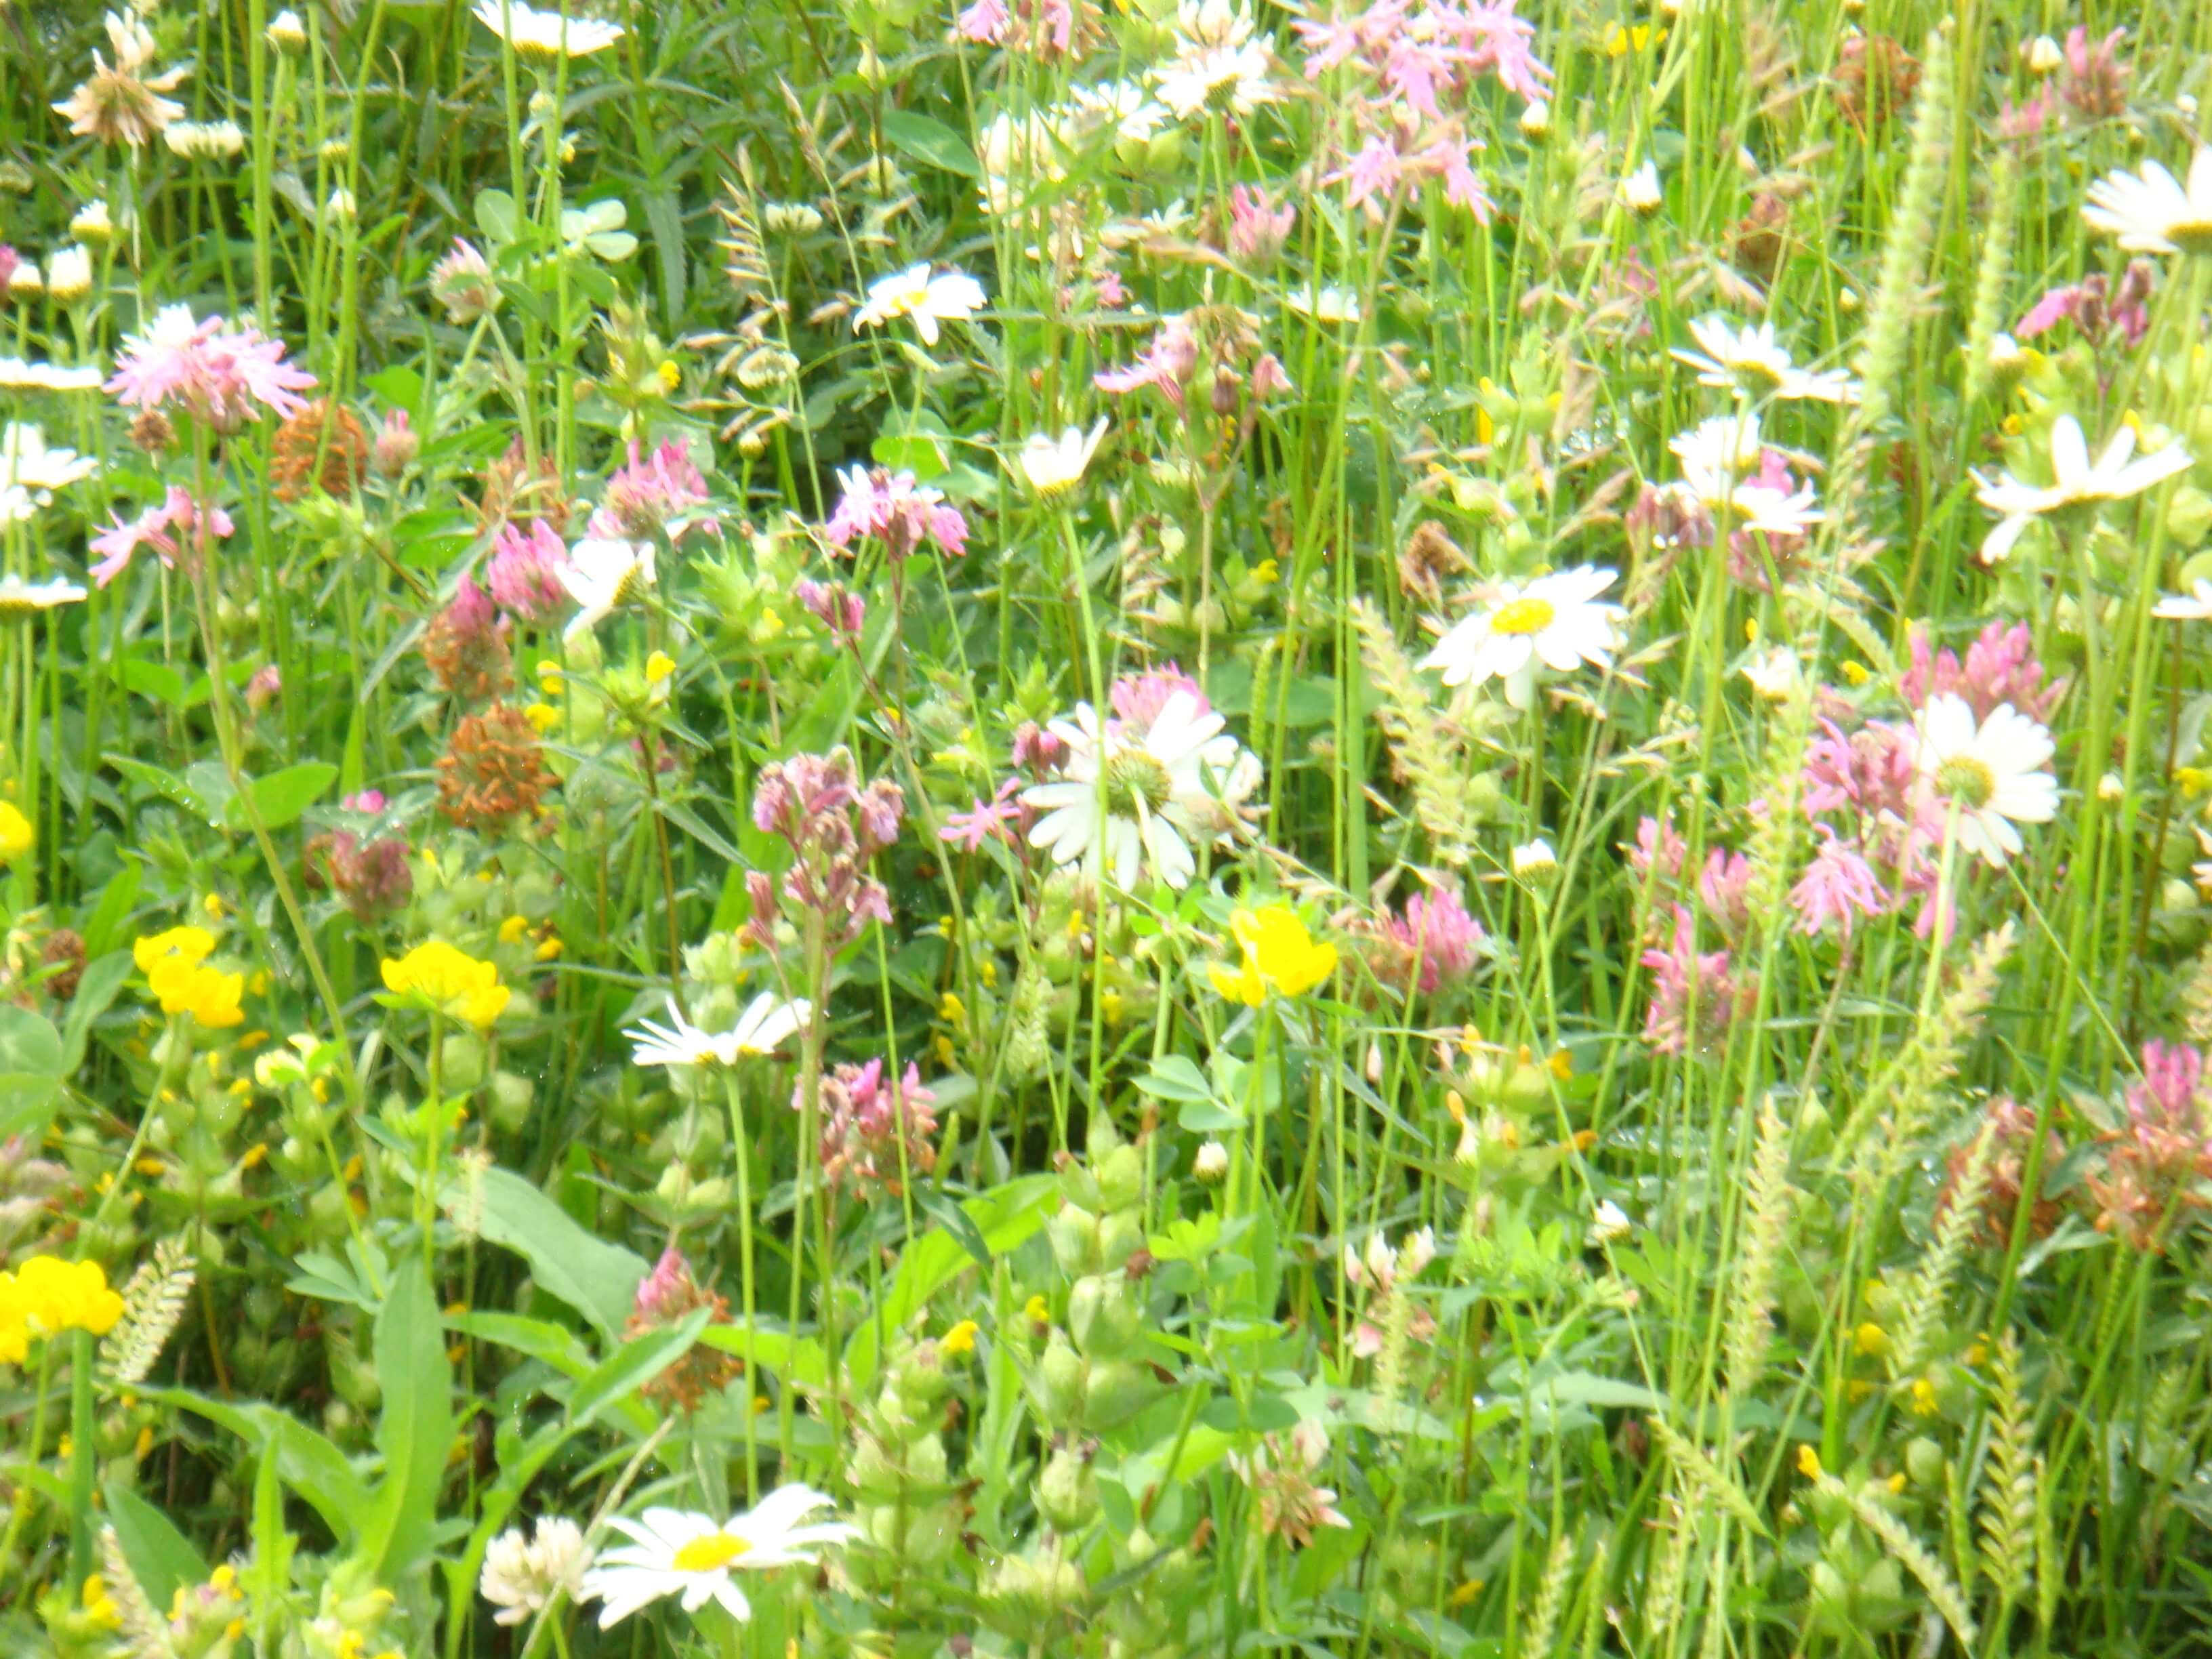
{"x": 522, "y": 1574}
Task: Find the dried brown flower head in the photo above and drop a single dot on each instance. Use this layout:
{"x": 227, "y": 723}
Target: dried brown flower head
{"x": 120, "y": 103}
{"x": 1761, "y": 237}
{"x": 1428, "y": 557}
{"x": 515, "y": 493}
{"x": 1874, "y": 80}
{"x": 63, "y": 952}
{"x": 465, "y": 645}
{"x": 323, "y": 445}
{"x": 492, "y": 770}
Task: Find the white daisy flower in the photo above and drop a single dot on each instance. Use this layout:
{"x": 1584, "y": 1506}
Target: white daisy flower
{"x": 2079, "y": 482}
{"x": 1776, "y": 675}
{"x": 68, "y": 274}
{"x": 767, "y": 1021}
{"x": 1053, "y": 466}
{"x": 2152, "y": 212}
{"x": 521, "y": 1573}
{"x": 1556, "y": 621}
{"x": 697, "y": 1558}
{"x": 1128, "y": 800}
{"x": 949, "y": 296}
{"x": 1775, "y": 512}
{"x": 1640, "y": 192}
{"x": 31, "y": 470}
{"x": 1224, "y": 77}
{"x": 1992, "y": 773}
{"x": 1749, "y": 359}
{"x": 1327, "y": 304}
{"x": 2195, "y": 605}
{"x": 18, "y": 375}
{"x": 19, "y": 598}
{"x": 545, "y": 37}
{"x": 1609, "y": 1223}
{"x": 1718, "y": 452}
{"x": 601, "y": 574}
{"x": 1535, "y": 861}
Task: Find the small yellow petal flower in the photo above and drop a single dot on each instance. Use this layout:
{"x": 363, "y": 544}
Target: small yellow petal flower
{"x": 1808, "y": 1462}
{"x": 960, "y": 1338}
{"x": 17, "y": 837}
{"x": 512, "y": 929}
{"x": 542, "y": 717}
{"x": 658, "y": 667}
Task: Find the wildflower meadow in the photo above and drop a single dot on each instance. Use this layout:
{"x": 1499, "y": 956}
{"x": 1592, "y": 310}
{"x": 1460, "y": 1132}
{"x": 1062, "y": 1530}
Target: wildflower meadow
{"x": 1115, "y": 828}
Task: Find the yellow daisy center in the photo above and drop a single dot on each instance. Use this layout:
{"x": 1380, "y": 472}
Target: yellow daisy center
{"x": 2191, "y": 235}
{"x": 1966, "y": 781}
{"x": 710, "y": 1553}
{"x": 1529, "y": 615}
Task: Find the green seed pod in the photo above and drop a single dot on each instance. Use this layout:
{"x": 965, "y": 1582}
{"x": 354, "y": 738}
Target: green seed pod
{"x": 1923, "y": 1461}
{"x": 1061, "y": 1377}
{"x": 1116, "y": 1391}
{"x": 510, "y": 1101}
{"x": 1121, "y": 1236}
{"x": 1066, "y": 1491}
{"x": 1122, "y": 1179}
{"x": 1101, "y": 1316}
{"x": 1074, "y": 1235}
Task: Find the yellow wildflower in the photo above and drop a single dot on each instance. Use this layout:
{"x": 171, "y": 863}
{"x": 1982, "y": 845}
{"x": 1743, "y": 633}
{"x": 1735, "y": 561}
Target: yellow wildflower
{"x": 1465, "y": 1593}
{"x": 542, "y": 717}
{"x": 1856, "y": 673}
{"x": 450, "y": 981}
{"x": 659, "y": 667}
{"x": 1279, "y": 957}
{"x": 17, "y": 837}
{"x": 512, "y": 929}
{"x": 188, "y": 945}
{"x": 960, "y": 1338}
{"x": 1808, "y": 1462}
{"x": 1871, "y": 1339}
{"x": 1037, "y": 1310}
{"x": 548, "y": 948}
{"x": 1923, "y": 1397}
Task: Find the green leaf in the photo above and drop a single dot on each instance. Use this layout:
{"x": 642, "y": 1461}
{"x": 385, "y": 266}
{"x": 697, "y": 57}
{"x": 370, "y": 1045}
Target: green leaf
{"x": 170, "y": 787}
{"x": 541, "y": 1340}
{"x": 116, "y": 901}
{"x": 631, "y": 1366}
{"x": 1175, "y": 1078}
{"x": 496, "y": 217}
{"x": 97, "y": 988}
{"x": 310, "y": 1463}
{"x": 1207, "y": 1117}
{"x": 156, "y": 680}
{"x": 162, "y": 1560}
{"x": 930, "y": 142}
{"x": 32, "y": 1068}
{"x": 597, "y": 1279}
{"x": 281, "y": 797}
{"x": 415, "y": 1429}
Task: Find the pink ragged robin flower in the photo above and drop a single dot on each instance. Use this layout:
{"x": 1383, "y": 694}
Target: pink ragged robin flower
{"x": 153, "y": 528}
{"x": 224, "y": 376}
{"x": 1837, "y": 887}
{"x": 896, "y": 509}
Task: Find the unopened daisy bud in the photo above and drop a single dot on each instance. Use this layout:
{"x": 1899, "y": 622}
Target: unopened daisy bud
{"x": 1849, "y": 298}
{"x": 2043, "y": 54}
{"x": 1212, "y": 1163}
{"x": 1608, "y": 1224}
{"x": 335, "y": 152}
{"x": 24, "y": 282}
{"x": 92, "y": 225}
{"x": 340, "y": 207}
{"x": 1537, "y": 120}
{"x": 2007, "y": 358}
{"x": 2110, "y": 789}
{"x": 1534, "y": 861}
{"x": 1640, "y": 191}
{"x": 287, "y": 33}
{"x": 69, "y": 275}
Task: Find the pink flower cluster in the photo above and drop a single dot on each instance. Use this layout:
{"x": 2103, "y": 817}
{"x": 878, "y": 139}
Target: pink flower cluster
{"x": 2000, "y": 667}
{"x": 1417, "y": 63}
{"x": 653, "y": 495}
{"x": 1175, "y": 362}
{"x": 834, "y": 827}
{"x": 877, "y": 1132}
{"x": 1431, "y": 943}
{"x": 225, "y": 376}
{"x": 2095, "y": 308}
{"x": 1695, "y": 996}
{"x": 895, "y": 509}
{"x": 525, "y": 571}
{"x": 2163, "y": 1150}
{"x": 1043, "y": 28}
{"x": 177, "y": 519}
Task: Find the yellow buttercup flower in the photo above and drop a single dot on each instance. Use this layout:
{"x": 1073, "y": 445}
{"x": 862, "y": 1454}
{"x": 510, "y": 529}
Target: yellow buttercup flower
{"x": 450, "y": 981}
{"x": 49, "y": 1296}
{"x": 188, "y": 945}
{"x": 17, "y": 837}
{"x": 1279, "y": 958}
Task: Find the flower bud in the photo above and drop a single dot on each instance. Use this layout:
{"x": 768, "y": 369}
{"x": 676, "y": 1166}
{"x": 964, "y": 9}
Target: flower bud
{"x": 287, "y": 33}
